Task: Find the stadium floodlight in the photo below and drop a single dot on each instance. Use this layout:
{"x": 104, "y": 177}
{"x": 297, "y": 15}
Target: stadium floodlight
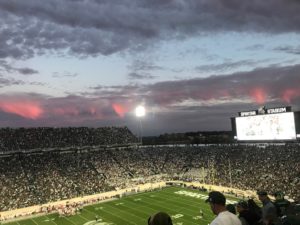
{"x": 140, "y": 111}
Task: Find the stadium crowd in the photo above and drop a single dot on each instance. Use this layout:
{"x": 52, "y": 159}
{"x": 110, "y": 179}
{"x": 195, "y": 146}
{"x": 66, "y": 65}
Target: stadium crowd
{"x": 40, "y": 177}
{"x": 47, "y": 137}
{"x": 41, "y": 165}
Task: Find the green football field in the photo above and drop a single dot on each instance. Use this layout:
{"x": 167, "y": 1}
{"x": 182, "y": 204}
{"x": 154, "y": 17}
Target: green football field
{"x": 183, "y": 205}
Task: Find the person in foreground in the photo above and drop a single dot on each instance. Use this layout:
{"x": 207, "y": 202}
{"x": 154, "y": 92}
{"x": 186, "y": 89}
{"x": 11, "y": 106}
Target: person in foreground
{"x": 269, "y": 212}
{"x": 160, "y": 218}
{"x": 217, "y": 203}
{"x": 247, "y": 216}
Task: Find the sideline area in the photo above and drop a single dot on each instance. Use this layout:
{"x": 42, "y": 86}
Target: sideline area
{"x": 53, "y": 207}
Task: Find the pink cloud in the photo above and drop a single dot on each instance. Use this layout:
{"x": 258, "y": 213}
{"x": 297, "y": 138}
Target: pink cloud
{"x": 26, "y": 109}
{"x": 259, "y": 95}
{"x": 120, "y": 109}
{"x": 290, "y": 93}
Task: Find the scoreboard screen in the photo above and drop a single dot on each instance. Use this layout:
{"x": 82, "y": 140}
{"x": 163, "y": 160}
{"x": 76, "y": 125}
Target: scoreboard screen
{"x": 278, "y": 126}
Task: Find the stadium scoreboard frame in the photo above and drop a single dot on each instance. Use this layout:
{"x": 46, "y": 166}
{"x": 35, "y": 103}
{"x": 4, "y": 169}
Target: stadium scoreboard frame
{"x": 272, "y": 124}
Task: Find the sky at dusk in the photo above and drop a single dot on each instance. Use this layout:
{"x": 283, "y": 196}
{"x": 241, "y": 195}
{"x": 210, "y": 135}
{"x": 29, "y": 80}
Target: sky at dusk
{"x": 193, "y": 64}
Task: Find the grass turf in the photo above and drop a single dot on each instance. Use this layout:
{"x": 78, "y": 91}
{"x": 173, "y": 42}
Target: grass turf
{"x": 135, "y": 210}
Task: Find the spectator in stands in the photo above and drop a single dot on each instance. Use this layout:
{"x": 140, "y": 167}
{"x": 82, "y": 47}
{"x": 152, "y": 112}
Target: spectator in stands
{"x": 254, "y": 208}
{"x": 269, "y": 213}
{"x": 246, "y": 216}
{"x": 160, "y": 218}
{"x": 217, "y": 203}
{"x": 291, "y": 215}
{"x": 52, "y": 164}
{"x": 281, "y": 203}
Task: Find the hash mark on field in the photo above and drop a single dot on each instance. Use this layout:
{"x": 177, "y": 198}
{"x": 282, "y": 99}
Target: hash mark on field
{"x": 197, "y": 217}
{"x": 120, "y": 203}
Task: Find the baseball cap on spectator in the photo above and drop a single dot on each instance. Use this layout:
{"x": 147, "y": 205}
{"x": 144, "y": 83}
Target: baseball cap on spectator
{"x": 261, "y": 193}
{"x": 160, "y": 218}
{"x": 279, "y": 194}
{"x": 242, "y": 204}
{"x": 216, "y": 197}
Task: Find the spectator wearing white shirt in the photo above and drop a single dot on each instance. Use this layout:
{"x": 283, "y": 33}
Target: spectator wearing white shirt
{"x": 217, "y": 203}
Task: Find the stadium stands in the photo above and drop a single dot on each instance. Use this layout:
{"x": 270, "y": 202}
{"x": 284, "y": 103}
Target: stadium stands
{"x": 46, "y": 137}
{"x": 31, "y": 178}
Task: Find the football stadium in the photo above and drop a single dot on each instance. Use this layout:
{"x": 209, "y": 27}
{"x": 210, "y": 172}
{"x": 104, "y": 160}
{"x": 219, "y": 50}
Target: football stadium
{"x": 149, "y": 112}
{"x": 106, "y": 176}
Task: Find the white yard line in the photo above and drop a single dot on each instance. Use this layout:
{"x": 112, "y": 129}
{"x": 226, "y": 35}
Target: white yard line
{"x": 69, "y": 220}
{"x": 113, "y": 215}
{"x": 34, "y": 221}
{"x": 51, "y": 220}
{"x": 140, "y": 218}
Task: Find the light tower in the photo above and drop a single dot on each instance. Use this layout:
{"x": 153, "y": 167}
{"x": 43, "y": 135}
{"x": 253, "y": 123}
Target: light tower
{"x": 140, "y": 112}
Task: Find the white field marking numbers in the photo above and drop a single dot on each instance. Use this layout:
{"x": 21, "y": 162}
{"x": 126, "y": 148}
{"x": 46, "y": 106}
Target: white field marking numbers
{"x": 201, "y": 196}
{"x": 177, "y": 216}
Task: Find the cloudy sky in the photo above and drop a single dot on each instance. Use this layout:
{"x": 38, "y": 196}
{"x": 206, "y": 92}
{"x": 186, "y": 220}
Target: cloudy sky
{"x": 192, "y": 63}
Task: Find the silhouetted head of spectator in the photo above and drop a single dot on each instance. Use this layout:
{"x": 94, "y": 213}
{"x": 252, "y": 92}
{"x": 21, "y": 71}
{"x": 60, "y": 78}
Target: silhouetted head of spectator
{"x": 241, "y": 206}
{"x": 160, "y": 218}
{"x": 262, "y": 195}
{"x": 217, "y": 202}
{"x": 279, "y": 195}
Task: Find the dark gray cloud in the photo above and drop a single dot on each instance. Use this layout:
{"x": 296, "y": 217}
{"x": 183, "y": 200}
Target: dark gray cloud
{"x": 89, "y": 28}
{"x": 259, "y": 85}
{"x": 140, "y": 76}
{"x": 26, "y": 71}
{"x": 8, "y": 68}
{"x": 140, "y": 65}
{"x": 289, "y": 49}
{"x": 228, "y": 65}
{"x": 141, "y": 70}
{"x": 4, "y": 82}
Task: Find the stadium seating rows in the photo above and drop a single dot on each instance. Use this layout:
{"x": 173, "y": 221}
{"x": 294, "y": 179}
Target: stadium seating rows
{"x": 47, "y": 137}
{"x": 35, "y": 178}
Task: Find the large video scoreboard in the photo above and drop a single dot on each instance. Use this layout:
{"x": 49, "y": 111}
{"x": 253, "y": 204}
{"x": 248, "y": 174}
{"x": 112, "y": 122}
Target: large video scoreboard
{"x": 265, "y": 124}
